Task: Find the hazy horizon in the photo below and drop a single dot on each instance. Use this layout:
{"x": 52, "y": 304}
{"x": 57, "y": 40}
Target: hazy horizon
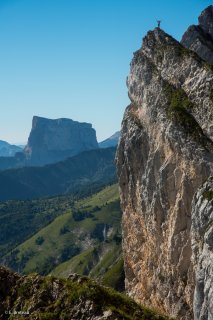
{"x": 70, "y": 59}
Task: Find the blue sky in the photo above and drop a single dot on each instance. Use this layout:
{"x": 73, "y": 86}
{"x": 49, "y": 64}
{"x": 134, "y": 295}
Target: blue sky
{"x": 70, "y": 58}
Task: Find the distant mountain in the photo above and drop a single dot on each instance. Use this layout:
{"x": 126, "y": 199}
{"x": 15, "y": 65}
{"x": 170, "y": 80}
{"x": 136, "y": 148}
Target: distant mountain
{"x": 73, "y": 175}
{"x": 22, "y": 146}
{"x": 8, "y": 150}
{"x": 111, "y": 141}
{"x": 51, "y": 141}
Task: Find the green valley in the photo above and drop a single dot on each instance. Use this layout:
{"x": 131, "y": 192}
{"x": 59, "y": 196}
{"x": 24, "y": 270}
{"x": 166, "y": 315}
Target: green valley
{"x": 82, "y": 236}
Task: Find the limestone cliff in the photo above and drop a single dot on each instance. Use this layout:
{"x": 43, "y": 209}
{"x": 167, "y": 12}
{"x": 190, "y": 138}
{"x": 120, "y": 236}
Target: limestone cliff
{"x": 202, "y": 250}
{"x": 200, "y": 38}
{"x": 164, "y": 156}
{"x": 54, "y": 140}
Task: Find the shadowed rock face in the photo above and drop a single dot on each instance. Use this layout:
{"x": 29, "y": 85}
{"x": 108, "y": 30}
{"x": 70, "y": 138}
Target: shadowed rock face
{"x": 202, "y": 250}
{"x": 164, "y": 156}
{"x": 200, "y": 38}
{"x": 54, "y": 140}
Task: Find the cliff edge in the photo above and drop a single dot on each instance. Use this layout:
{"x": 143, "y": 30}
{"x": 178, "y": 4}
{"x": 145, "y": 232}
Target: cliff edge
{"x": 164, "y": 159}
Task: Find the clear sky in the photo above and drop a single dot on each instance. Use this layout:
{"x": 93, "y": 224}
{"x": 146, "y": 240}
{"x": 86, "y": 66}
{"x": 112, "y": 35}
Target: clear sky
{"x": 70, "y": 58}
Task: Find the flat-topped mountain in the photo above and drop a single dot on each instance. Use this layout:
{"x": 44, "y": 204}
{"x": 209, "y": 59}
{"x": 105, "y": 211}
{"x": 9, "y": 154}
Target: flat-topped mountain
{"x": 54, "y": 140}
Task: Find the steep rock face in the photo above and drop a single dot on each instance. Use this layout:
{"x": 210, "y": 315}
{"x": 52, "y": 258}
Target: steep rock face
{"x": 200, "y": 38}
{"x": 165, "y": 154}
{"x": 54, "y": 140}
{"x": 202, "y": 250}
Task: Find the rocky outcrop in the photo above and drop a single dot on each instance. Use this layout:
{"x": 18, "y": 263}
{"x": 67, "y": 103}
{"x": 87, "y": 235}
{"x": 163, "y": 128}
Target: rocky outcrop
{"x": 55, "y": 140}
{"x": 35, "y": 297}
{"x": 200, "y": 38}
{"x": 165, "y": 154}
{"x": 202, "y": 250}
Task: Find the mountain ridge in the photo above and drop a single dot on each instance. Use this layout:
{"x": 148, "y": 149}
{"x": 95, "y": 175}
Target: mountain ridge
{"x": 70, "y": 175}
{"x": 78, "y": 297}
{"x": 112, "y": 141}
{"x": 7, "y": 149}
{"x": 199, "y": 38}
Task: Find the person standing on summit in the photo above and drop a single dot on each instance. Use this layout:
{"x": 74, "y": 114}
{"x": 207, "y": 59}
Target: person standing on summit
{"x": 159, "y": 22}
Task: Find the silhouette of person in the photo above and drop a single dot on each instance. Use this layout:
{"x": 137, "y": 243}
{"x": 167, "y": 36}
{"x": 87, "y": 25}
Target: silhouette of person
{"x": 159, "y": 22}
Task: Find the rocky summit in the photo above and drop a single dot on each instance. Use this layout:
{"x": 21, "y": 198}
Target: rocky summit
{"x": 200, "y": 38}
{"x": 165, "y": 164}
{"x": 55, "y": 140}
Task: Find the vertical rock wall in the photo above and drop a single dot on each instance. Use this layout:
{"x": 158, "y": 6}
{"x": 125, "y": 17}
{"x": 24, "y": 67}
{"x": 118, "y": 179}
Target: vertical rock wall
{"x": 202, "y": 250}
{"x": 164, "y": 156}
